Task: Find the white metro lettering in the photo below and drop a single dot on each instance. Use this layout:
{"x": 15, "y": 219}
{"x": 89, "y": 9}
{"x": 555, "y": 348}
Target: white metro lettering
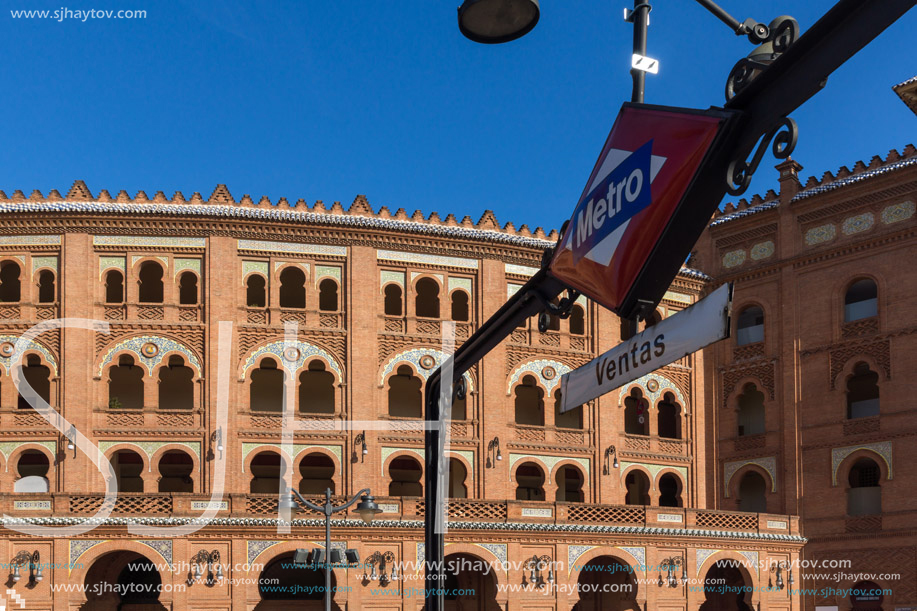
{"x": 594, "y": 214}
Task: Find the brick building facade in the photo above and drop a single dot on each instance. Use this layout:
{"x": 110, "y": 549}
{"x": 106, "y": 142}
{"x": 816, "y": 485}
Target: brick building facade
{"x": 342, "y": 312}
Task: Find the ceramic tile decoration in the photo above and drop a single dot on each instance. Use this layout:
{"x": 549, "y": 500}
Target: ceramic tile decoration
{"x": 898, "y": 212}
{"x": 423, "y": 259}
{"x": 460, "y": 283}
{"x": 30, "y": 240}
{"x": 520, "y": 270}
{"x": 327, "y": 271}
{"x": 858, "y": 223}
{"x": 44, "y": 262}
{"x": 21, "y": 347}
{"x": 549, "y": 461}
{"x": 820, "y": 234}
{"x": 148, "y": 241}
{"x": 292, "y": 248}
{"x": 304, "y": 351}
{"x": 733, "y": 258}
{"x": 150, "y": 359}
{"x": 387, "y": 275}
{"x": 768, "y": 463}
{"x": 181, "y": 265}
{"x": 762, "y": 250}
{"x": 255, "y": 267}
{"x": 654, "y": 469}
{"x": 255, "y": 548}
{"x": 414, "y": 356}
{"x": 538, "y": 368}
{"x": 291, "y": 450}
{"x": 149, "y": 448}
{"x": 106, "y": 263}
{"x": 882, "y": 448}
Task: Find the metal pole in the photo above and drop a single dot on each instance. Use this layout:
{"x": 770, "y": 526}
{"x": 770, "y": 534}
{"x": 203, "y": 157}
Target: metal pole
{"x": 641, "y": 18}
{"x": 328, "y": 511}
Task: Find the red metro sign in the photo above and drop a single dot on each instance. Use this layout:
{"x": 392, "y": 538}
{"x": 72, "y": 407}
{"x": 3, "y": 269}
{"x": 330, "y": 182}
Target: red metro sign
{"x": 625, "y": 231}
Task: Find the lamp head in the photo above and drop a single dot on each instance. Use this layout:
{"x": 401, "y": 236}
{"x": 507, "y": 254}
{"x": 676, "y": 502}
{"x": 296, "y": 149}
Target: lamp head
{"x": 497, "y": 21}
{"x": 287, "y": 502}
{"x": 367, "y": 508}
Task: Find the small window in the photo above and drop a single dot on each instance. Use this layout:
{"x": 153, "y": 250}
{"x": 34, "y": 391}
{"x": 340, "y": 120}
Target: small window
{"x": 865, "y": 495}
{"x": 427, "y": 302}
{"x": 114, "y": 287}
{"x": 187, "y": 289}
{"x": 267, "y": 388}
{"x": 862, "y": 392}
{"x": 39, "y": 378}
{"x": 529, "y": 403}
{"x": 460, "y": 306}
{"x": 125, "y": 385}
{"x": 861, "y": 300}
{"x": 405, "y": 397}
{"x": 393, "y": 300}
{"x": 751, "y": 416}
{"x": 577, "y": 321}
{"x": 255, "y": 294}
{"x": 529, "y": 482}
{"x": 10, "y": 288}
{"x": 636, "y": 416}
{"x": 328, "y": 295}
{"x": 46, "y": 288}
{"x": 753, "y": 493}
{"x": 151, "y": 283}
{"x": 750, "y": 326}
{"x": 292, "y": 288}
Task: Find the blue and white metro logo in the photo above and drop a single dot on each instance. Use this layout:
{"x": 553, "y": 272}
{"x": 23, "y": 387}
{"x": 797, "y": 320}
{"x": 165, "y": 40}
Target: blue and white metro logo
{"x": 621, "y": 190}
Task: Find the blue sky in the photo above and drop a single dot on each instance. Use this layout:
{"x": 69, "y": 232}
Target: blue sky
{"x": 325, "y": 100}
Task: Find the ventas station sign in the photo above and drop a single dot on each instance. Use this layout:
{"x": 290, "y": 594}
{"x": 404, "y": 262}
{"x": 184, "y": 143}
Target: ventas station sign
{"x": 626, "y": 230}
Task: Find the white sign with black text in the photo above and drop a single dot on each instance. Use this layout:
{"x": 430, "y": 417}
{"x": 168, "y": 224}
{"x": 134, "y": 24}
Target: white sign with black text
{"x": 700, "y": 325}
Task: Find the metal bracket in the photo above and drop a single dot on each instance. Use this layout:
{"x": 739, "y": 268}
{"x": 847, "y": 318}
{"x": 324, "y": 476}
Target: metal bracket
{"x": 782, "y": 32}
{"x": 739, "y": 173}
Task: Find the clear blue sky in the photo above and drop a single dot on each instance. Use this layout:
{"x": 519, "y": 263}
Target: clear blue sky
{"x": 325, "y": 100}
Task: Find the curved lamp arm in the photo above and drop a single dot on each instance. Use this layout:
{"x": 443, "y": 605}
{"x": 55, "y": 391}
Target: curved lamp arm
{"x": 321, "y": 509}
{"x": 355, "y": 498}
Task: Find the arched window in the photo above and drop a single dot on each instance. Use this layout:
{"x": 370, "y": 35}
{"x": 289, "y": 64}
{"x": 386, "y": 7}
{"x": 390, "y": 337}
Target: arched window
{"x": 292, "y": 288}
{"x": 753, "y": 493}
{"x": 638, "y": 488}
{"x": 529, "y": 402}
{"x": 267, "y": 470}
{"x": 125, "y": 385}
{"x": 751, "y": 411}
{"x": 569, "y": 482}
{"x": 864, "y": 496}
{"x": 651, "y": 320}
{"x": 668, "y": 417}
{"x": 669, "y": 491}
{"x": 10, "y": 285}
{"x": 266, "y": 389}
{"x": 317, "y": 472}
{"x": 460, "y": 306}
{"x": 636, "y": 418}
{"x": 750, "y": 327}
{"x": 32, "y": 467}
{"x": 176, "y": 386}
{"x": 175, "y": 469}
{"x": 529, "y": 482}
{"x": 393, "y": 300}
{"x": 457, "y": 475}
{"x": 39, "y": 378}
{"x": 316, "y": 389}
{"x": 460, "y": 408}
{"x": 571, "y": 419}
{"x": 128, "y": 466}
{"x": 187, "y": 289}
{"x": 862, "y": 392}
{"x": 151, "y": 282}
{"x": 404, "y": 394}
{"x": 405, "y": 474}
{"x": 255, "y": 292}
{"x": 426, "y": 304}
{"x": 861, "y": 300}
{"x": 577, "y": 321}
{"x": 114, "y": 286}
{"x": 46, "y": 288}
{"x": 328, "y": 295}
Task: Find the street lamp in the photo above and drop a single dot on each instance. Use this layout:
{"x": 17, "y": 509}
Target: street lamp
{"x": 496, "y": 21}
{"x": 367, "y": 509}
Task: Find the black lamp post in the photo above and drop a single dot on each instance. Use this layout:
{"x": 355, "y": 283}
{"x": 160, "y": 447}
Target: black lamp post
{"x": 367, "y": 510}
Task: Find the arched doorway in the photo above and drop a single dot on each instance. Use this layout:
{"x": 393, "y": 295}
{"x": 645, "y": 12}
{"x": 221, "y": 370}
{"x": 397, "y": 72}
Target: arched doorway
{"x": 866, "y": 596}
{"x": 726, "y": 589}
{"x": 607, "y": 583}
{"x": 470, "y": 586}
{"x": 123, "y": 581}
{"x": 277, "y": 585}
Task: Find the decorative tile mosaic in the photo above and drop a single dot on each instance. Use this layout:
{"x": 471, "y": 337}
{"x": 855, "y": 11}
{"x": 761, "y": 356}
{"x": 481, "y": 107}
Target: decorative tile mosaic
{"x": 32, "y": 505}
{"x": 420, "y": 453}
{"x": 537, "y": 512}
{"x": 549, "y": 461}
{"x": 768, "y": 463}
{"x": 305, "y": 352}
{"x": 29, "y": 240}
{"x": 151, "y": 241}
{"x": 777, "y": 524}
{"x": 282, "y": 448}
{"x": 898, "y": 212}
{"x": 439, "y": 277}
{"x": 654, "y": 470}
{"x": 40, "y": 262}
{"x": 675, "y": 518}
{"x": 388, "y": 275}
{"x": 762, "y": 250}
{"x": 136, "y": 258}
{"x": 255, "y": 548}
{"x": 327, "y": 271}
{"x": 191, "y": 264}
{"x": 858, "y": 223}
{"x": 752, "y": 558}
{"x": 19, "y": 350}
{"x": 413, "y": 357}
{"x": 149, "y": 448}
{"x": 162, "y": 546}
{"x": 78, "y": 547}
{"x": 421, "y": 556}
{"x": 106, "y": 263}
{"x": 882, "y": 448}
{"x": 582, "y": 300}
{"x": 520, "y": 270}
{"x": 421, "y": 259}
{"x": 700, "y": 557}
{"x": 733, "y": 258}
{"x": 536, "y": 368}
{"x": 574, "y": 552}
{"x": 292, "y": 247}
{"x": 255, "y": 267}
{"x": 639, "y": 554}
{"x": 209, "y": 505}
{"x": 8, "y": 447}
{"x": 305, "y": 266}
{"x": 497, "y": 549}
{"x": 678, "y": 297}
{"x": 820, "y": 234}
{"x": 20, "y": 258}
{"x": 165, "y": 347}
{"x": 460, "y": 283}
{"x": 512, "y": 289}
{"x": 662, "y": 385}
{"x": 389, "y": 507}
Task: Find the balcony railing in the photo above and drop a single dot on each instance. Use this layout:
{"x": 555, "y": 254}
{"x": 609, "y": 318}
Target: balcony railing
{"x": 655, "y": 444}
{"x": 147, "y": 418}
{"x": 551, "y": 434}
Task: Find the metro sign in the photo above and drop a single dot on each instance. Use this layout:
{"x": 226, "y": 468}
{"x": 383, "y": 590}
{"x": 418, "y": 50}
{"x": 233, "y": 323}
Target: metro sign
{"x": 627, "y": 229}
